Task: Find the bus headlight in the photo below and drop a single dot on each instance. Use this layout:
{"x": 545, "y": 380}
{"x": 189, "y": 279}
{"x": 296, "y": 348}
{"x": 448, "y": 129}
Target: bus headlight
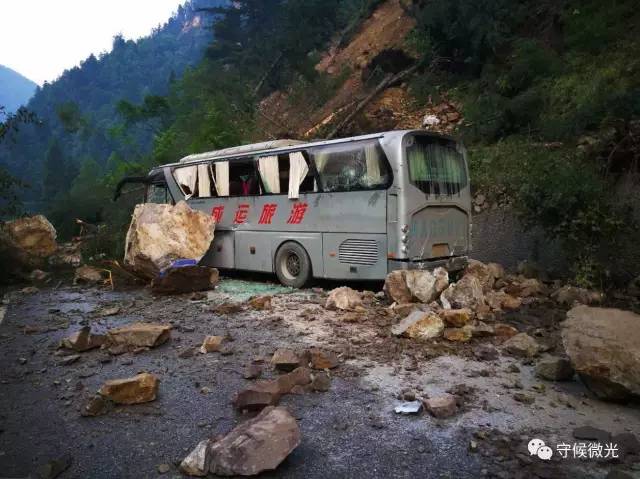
{"x": 405, "y": 228}
{"x": 404, "y": 249}
{"x": 404, "y": 238}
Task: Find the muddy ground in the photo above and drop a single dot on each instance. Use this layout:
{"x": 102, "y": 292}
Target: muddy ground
{"x": 351, "y": 431}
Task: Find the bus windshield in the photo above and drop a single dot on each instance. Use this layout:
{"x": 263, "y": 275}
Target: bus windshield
{"x": 435, "y": 166}
{"x": 360, "y": 165}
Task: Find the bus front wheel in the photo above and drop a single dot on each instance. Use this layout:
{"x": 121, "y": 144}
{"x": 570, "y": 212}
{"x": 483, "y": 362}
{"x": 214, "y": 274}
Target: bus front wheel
{"x": 293, "y": 266}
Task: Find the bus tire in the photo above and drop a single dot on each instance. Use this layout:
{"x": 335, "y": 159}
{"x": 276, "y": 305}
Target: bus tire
{"x": 292, "y": 265}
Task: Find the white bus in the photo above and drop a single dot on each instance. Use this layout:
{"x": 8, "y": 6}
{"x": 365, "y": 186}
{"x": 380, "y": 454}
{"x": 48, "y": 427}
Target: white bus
{"x": 351, "y": 208}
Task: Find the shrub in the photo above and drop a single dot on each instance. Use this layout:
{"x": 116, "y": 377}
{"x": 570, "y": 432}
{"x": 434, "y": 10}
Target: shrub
{"x": 561, "y": 192}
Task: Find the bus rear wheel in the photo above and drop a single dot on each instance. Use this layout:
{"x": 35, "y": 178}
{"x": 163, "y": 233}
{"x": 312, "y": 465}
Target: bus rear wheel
{"x": 293, "y": 266}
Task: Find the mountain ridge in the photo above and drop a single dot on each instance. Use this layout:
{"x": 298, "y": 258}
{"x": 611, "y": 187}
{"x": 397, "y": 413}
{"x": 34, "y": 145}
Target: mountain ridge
{"x": 16, "y": 89}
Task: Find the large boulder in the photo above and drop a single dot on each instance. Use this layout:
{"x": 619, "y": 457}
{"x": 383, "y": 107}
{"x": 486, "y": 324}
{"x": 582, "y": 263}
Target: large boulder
{"x": 466, "y": 293}
{"x": 425, "y": 286}
{"x": 420, "y": 325}
{"x": 603, "y": 345}
{"x": 160, "y": 234}
{"x": 185, "y": 279}
{"x": 26, "y": 243}
{"x": 257, "y": 445}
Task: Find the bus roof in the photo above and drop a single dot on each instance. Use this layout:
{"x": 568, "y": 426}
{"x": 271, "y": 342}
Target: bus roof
{"x": 283, "y": 146}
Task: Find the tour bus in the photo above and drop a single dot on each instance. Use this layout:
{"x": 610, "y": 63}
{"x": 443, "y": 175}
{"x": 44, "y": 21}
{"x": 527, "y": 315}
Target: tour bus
{"x": 351, "y": 208}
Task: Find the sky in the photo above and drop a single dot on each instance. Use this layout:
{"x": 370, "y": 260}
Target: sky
{"x": 41, "y": 38}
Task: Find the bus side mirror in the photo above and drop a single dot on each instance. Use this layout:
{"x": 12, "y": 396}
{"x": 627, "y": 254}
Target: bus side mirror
{"x": 129, "y": 179}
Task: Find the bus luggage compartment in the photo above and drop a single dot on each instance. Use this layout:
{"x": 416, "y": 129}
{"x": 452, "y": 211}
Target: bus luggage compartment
{"x": 355, "y": 256}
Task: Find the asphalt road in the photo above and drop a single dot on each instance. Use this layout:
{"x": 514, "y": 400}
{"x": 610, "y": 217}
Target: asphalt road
{"x": 347, "y": 432}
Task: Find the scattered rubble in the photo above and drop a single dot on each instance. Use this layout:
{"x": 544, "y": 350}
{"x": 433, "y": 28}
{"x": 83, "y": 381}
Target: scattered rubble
{"x": 211, "y": 344}
{"x": 521, "y": 345}
{"x": 466, "y": 293}
{"x": 343, "y": 298}
{"x": 298, "y": 377}
{"x": 88, "y": 275}
{"x": 97, "y": 406}
{"x": 134, "y": 390}
{"x": 39, "y": 276}
{"x": 441, "y": 406}
{"x": 196, "y": 463}
{"x": 323, "y": 359}
{"x": 68, "y": 255}
{"x": 320, "y": 381}
{"x": 571, "y": 295}
{"x": 480, "y": 331}
{"x": 500, "y": 300}
{"x": 257, "y": 397}
{"x": 260, "y": 303}
{"x": 405, "y": 285}
{"x": 486, "y": 274}
{"x": 554, "y": 368}
{"x": 420, "y": 325}
{"x": 456, "y": 318}
{"x": 603, "y": 345}
{"x": 286, "y": 360}
{"x": 160, "y": 234}
{"x": 137, "y": 335}
{"x": 459, "y": 335}
{"x": 83, "y": 340}
{"x": 268, "y": 392}
{"x": 253, "y": 371}
{"x": 109, "y": 311}
{"x": 504, "y": 330}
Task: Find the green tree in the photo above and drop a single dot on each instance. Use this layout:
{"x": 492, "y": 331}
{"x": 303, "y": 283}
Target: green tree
{"x": 58, "y": 172}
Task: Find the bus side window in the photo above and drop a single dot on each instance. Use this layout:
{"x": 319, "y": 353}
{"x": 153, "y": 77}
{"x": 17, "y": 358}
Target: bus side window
{"x": 243, "y": 178}
{"x": 300, "y": 175}
{"x": 283, "y": 170}
{"x": 269, "y": 169}
{"x": 308, "y": 183}
{"x": 195, "y": 181}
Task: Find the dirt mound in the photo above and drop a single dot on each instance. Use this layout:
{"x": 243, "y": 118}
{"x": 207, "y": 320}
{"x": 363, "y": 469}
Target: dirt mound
{"x": 377, "y": 47}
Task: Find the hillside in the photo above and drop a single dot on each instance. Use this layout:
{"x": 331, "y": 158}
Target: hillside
{"x": 15, "y": 89}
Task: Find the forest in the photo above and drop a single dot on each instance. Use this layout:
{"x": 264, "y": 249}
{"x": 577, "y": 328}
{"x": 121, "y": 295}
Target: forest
{"x": 549, "y": 92}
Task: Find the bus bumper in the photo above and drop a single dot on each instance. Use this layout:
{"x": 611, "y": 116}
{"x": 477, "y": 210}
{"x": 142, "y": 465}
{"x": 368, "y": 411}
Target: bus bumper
{"x": 456, "y": 263}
